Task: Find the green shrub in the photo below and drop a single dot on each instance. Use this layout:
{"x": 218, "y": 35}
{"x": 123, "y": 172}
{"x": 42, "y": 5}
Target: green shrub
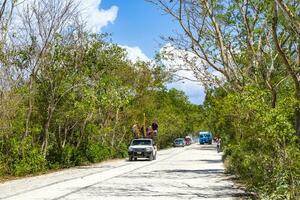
{"x": 32, "y": 162}
{"x": 3, "y": 166}
{"x": 67, "y": 156}
{"x": 97, "y": 153}
{"x": 122, "y": 151}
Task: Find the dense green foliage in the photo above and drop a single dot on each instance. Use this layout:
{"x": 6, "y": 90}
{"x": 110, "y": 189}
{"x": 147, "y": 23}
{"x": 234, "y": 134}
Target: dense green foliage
{"x": 88, "y": 107}
{"x": 82, "y": 103}
{"x": 260, "y": 143}
{"x": 247, "y": 54}
{"x": 69, "y": 98}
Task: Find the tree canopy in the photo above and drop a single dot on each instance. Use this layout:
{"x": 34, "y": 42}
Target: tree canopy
{"x": 247, "y": 54}
{"x": 69, "y": 97}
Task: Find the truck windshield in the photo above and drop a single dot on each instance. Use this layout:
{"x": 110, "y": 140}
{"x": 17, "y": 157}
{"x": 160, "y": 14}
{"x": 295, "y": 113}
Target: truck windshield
{"x": 141, "y": 142}
{"x": 204, "y": 135}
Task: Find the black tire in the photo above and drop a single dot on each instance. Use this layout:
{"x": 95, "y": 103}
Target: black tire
{"x": 151, "y": 157}
{"x": 135, "y": 159}
{"x": 130, "y": 158}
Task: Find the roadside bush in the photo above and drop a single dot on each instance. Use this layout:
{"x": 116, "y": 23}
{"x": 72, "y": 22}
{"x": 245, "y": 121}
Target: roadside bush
{"x": 33, "y": 162}
{"x": 67, "y": 156}
{"x": 3, "y": 166}
{"x": 260, "y": 144}
{"x": 97, "y": 153}
{"x": 165, "y": 140}
{"x": 121, "y": 151}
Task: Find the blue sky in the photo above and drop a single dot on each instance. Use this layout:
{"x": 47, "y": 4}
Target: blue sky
{"x": 139, "y": 23}
{"x": 138, "y": 26}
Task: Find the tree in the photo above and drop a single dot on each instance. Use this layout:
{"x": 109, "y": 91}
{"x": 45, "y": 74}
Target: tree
{"x": 289, "y": 50}
{"x": 40, "y": 22}
{"x": 233, "y": 39}
{"x": 246, "y": 53}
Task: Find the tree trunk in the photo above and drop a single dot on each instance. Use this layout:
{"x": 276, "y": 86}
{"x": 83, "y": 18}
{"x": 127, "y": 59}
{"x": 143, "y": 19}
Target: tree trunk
{"x": 122, "y": 137}
{"x": 112, "y": 142}
{"x": 58, "y": 138}
{"x": 113, "y": 138}
{"x": 82, "y": 129}
{"x": 297, "y": 120}
{"x": 297, "y": 111}
{"x": 273, "y": 93}
{"x": 46, "y": 130}
{"x": 65, "y": 137}
{"x": 29, "y": 110}
{"x": 274, "y": 98}
{"x": 28, "y": 116}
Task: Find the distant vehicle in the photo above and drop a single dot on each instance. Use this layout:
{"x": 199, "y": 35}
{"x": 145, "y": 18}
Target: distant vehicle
{"x": 179, "y": 142}
{"x": 142, "y": 148}
{"x": 188, "y": 140}
{"x": 205, "y": 137}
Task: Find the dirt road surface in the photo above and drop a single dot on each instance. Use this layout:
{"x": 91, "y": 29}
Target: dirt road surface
{"x": 193, "y": 172}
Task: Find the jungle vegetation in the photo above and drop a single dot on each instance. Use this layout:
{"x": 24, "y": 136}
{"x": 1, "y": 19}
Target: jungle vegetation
{"x": 247, "y": 54}
{"x": 69, "y": 97}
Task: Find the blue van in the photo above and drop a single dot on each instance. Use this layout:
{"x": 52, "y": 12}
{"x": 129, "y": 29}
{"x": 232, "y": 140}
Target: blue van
{"x": 205, "y": 137}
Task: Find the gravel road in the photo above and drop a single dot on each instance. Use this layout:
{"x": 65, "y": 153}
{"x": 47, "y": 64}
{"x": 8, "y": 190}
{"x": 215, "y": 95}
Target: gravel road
{"x": 193, "y": 172}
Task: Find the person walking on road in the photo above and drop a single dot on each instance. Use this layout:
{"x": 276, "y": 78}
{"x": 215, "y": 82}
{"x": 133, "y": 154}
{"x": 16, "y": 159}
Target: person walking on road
{"x": 219, "y": 145}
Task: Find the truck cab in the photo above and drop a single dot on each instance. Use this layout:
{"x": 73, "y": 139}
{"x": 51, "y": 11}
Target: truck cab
{"x": 205, "y": 137}
{"x": 142, "y": 148}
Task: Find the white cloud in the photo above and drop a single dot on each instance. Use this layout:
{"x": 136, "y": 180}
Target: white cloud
{"x": 135, "y": 54}
{"x": 96, "y": 18}
{"x": 176, "y": 61}
{"x": 195, "y": 91}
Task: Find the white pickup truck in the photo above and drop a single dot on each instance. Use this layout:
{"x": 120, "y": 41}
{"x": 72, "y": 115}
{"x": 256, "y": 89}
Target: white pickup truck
{"x": 142, "y": 148}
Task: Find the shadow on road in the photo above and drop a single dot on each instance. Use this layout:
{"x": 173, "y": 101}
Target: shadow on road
{"x": 138, "y": 160}
{"x": 184, "y": 191}
{"x": 199, "y": 171}
{"x": 204, "y": 147}
{"x": 146, "y": 185}
{"x": 177, "y": 174}
{"x": 204, "y": 160}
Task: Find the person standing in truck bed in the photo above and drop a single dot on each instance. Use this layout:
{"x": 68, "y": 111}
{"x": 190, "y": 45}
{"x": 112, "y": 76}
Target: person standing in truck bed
{"x": 136, "y": 131}
{"x": 149, "y": 132}
{"x": 154, "y": 128}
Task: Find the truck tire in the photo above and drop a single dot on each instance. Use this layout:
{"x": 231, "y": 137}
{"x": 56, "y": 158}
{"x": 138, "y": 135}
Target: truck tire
{"x": 130, "y": 158}
{"x": 151, "y": 157}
